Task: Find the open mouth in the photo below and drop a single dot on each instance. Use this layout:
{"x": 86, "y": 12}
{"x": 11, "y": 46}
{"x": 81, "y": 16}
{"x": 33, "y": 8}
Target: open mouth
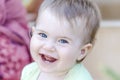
{"x": 48, "y": 58}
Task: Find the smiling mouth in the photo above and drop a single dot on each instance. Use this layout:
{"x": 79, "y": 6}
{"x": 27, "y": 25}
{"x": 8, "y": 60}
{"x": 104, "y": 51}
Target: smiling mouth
{"x": 48, "y": 58}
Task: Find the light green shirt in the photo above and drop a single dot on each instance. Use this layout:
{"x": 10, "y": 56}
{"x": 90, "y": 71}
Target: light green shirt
{"x": 78, "y": 72}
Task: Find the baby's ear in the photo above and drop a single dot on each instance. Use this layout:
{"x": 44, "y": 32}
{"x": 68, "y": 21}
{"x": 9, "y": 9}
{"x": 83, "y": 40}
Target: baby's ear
{"x": 84, "y": 51}
{"x": 32, "y": 29}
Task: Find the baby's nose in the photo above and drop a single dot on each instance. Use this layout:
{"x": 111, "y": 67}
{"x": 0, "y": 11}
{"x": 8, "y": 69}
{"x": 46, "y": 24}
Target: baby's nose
{"x": 49, "y": 45}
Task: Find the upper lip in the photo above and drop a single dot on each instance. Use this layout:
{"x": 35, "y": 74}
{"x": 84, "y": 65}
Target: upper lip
{"x": 49, "y": 55}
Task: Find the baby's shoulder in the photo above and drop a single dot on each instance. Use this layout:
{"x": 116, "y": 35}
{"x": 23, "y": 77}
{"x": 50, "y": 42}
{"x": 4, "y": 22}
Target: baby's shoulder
{"x": 30, "y": 71}
{"x": 78, "y": 72}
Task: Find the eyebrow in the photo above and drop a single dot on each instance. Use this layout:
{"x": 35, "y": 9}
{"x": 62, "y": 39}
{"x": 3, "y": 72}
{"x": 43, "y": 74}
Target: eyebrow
{"x": 66, "y": 37}
{"x": 39, "y": 30}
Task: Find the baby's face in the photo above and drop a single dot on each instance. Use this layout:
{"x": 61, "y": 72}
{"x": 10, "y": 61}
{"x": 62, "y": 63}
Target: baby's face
{"x": 55, "y": 46}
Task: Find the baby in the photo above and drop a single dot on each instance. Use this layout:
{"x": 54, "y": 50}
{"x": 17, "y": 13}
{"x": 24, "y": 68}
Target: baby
{"x": 62, "y": 38}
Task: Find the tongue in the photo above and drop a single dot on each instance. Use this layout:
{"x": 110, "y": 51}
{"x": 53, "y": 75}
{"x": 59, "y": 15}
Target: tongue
{"x": 48, "y": 58}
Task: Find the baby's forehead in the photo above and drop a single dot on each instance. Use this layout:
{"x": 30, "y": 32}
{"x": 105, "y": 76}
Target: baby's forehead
{"x": 78, "y": 21}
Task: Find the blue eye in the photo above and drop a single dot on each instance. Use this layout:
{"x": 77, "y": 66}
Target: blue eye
{"x": 43, "y": 35}
{"x": 63, "y": 41}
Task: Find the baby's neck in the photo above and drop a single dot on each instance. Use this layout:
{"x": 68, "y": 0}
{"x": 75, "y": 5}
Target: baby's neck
{"x": 49, "y": 76}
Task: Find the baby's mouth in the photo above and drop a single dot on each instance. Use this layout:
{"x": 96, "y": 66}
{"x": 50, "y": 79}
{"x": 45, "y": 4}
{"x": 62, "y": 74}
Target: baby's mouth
{"x": 48, "y": 58}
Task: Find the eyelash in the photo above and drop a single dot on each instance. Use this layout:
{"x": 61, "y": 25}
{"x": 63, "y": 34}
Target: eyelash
{"x": 63, "y": 41}
{"x": 43, "y": 35}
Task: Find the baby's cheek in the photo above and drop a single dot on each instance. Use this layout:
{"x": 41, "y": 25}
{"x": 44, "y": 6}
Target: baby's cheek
{"x": 33, "y": 42}
{"x": 35, "y": 45}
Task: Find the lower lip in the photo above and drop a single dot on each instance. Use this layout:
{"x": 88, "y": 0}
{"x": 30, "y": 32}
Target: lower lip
{"x": 46, "y": 60}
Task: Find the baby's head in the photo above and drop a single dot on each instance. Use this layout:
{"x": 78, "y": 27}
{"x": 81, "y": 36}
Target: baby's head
{"x": 64, "y": 32}
{"x": 76, "y": 12}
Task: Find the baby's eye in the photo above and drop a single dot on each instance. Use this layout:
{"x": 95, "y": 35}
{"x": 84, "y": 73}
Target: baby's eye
{"x": 43, "y": 35}
{"x": 63, "y": 41}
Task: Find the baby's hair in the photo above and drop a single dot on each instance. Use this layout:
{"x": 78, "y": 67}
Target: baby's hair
{"x": 75, "y": 10}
